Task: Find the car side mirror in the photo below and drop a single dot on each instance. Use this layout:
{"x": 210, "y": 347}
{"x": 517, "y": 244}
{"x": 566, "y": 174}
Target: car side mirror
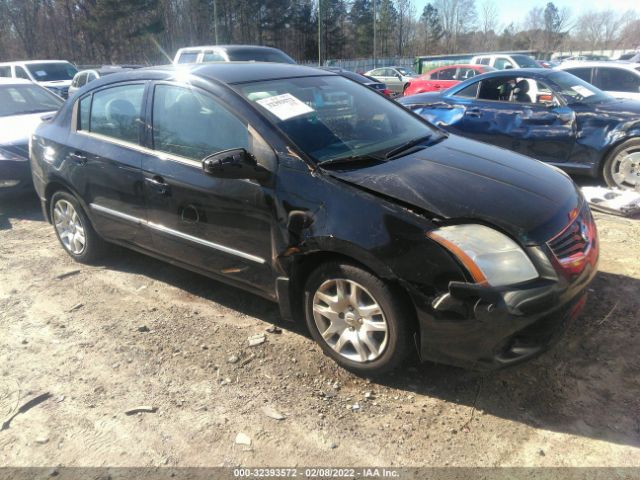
{"x": 234, "y": 163}
{"x": 399, "y": 76}
{"x": 508, "y": 67}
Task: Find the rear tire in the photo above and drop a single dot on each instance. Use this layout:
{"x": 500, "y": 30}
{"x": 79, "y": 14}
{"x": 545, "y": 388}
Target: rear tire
{"x": 622, "y": 166}
{"x": 357, "y": 319}
{"x": 74, "y": 230}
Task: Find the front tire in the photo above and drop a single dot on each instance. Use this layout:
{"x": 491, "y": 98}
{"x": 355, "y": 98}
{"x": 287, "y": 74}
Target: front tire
{"x": 357, "y": 319}
{"x": 622, "y": 167}
{"x": 74, "y": 230}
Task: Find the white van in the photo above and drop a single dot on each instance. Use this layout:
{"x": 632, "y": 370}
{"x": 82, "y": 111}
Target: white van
{"x": 55, "y": 75}
{"x": 501, "y": 61}
{"x": 231, "y": 53}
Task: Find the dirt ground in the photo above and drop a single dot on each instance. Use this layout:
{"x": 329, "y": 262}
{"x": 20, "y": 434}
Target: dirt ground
{"x": 79, "y": 333}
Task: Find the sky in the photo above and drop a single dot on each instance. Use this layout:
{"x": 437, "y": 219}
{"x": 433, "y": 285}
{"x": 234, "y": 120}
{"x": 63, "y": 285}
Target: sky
{"x": 516, "y": 10}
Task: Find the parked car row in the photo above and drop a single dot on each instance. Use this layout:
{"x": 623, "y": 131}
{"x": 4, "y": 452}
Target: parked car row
{"x": 56, "y": 75}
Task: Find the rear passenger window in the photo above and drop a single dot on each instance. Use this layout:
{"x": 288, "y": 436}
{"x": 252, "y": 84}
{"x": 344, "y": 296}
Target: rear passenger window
{"x": 21, "y": 73}
{"x": 446, "y": 74}
{"x": 5, "y": 71}
{"x": 193, "y": 125}
{"x": 115, "y": 112}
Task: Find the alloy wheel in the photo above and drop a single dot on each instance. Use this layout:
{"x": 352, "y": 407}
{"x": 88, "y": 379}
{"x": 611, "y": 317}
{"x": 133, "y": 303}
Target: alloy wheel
{"x": 69, "y": 227}
{"x": 350, "y": 320}
{"x": 625, "y": 169}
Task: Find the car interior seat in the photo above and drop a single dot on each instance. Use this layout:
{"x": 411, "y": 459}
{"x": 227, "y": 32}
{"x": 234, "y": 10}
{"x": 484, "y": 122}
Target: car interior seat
{"x": 520, "y": 92}
{"x": 122, "y": 118}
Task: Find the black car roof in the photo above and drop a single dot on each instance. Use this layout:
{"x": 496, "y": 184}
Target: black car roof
{"x": 225, "y": 72}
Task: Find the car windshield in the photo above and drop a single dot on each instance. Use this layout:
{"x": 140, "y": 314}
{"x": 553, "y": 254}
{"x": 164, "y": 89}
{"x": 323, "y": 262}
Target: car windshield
{"x": 51, "y": 72}
{"x": 330, "y": 117}
{"x": 407, "y": 72}
{"x": 259, "y": 55}
{"x": 525, "y": 61}
{"x": 576, "y": 90}
{"x": 25, "y": 99}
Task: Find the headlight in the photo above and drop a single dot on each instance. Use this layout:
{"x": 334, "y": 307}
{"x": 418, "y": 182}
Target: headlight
{"x": 489, "y": 256}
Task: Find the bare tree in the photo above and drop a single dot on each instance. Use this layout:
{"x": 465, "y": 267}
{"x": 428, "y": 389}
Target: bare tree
{"x": 457, "y": 17}
{"x": 489, "y": 24}
{"x": 406, "y": 13}
{"x": 600, "y": 29}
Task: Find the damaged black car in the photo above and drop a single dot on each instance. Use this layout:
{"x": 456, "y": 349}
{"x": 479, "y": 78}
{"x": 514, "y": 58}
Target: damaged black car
{"x": 386, "y": 234}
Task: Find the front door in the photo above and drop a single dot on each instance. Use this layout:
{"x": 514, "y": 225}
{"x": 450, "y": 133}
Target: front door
{"x": 219, "y": 225}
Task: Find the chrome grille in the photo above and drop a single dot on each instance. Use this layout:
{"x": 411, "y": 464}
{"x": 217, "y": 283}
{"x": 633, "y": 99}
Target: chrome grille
{"x": 573, "y": 240}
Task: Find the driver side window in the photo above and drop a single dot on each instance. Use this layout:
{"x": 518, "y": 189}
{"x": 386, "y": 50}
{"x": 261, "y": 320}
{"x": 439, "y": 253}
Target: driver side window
{"x": 192, "y": 124}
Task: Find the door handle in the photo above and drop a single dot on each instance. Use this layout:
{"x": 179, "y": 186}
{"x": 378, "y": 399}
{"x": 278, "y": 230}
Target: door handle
{"x": 157, "y": 184}
{"x": 78, "y": 158}
{"x": 473, "y": 112}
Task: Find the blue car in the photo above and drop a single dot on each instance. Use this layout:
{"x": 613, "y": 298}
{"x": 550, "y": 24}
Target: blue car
{"x": 549, "y": 115}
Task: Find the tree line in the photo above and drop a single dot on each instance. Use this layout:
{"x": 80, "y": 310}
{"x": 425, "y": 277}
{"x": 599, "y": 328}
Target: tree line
{"x": 150, "y": 31}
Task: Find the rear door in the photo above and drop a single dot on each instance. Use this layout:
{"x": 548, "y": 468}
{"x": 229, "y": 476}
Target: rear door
{"x": 104, "y": 156}
{"x": 222, "y": 226}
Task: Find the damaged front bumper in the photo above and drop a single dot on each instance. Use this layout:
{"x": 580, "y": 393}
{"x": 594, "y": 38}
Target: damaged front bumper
{"x": 486, "y": 328}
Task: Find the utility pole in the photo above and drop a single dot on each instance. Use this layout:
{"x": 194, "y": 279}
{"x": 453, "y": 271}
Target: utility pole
{"x": 319, "y": 33}
{"x": 375, "y": 57}
{"x": 215, "y": 20}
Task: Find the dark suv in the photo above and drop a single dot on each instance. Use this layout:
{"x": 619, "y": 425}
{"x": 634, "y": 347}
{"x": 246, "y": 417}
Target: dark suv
{"x": 382, "y": 231}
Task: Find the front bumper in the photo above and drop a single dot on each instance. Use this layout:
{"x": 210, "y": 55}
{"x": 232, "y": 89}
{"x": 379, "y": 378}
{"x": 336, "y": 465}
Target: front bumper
{"x": 482, "y": 328}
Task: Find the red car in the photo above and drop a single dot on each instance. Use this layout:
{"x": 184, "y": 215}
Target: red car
{"x": 445, "y": 77}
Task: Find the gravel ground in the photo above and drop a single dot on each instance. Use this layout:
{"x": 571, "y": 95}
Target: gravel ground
{"x": 137, "y": 332}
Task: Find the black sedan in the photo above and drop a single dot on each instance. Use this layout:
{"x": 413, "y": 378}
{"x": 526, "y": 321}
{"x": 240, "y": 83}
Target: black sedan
{"x": 318, "y": 193}
{"x": 546, "y": 114}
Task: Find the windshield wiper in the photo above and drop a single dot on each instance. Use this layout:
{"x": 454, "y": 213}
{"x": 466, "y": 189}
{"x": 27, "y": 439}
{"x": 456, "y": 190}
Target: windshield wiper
{"x": 350, "y": 160}
{"x": 406, "y": 146}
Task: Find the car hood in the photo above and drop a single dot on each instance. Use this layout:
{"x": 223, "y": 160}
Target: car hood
{"x": 15, "y": 130}
{"x": 623, "y": 108}
{"x": 466, "y": 180}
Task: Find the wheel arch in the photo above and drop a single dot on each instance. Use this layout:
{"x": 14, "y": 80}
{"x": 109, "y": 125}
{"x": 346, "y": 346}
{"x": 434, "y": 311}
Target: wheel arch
{"x": 304, "y": 264}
